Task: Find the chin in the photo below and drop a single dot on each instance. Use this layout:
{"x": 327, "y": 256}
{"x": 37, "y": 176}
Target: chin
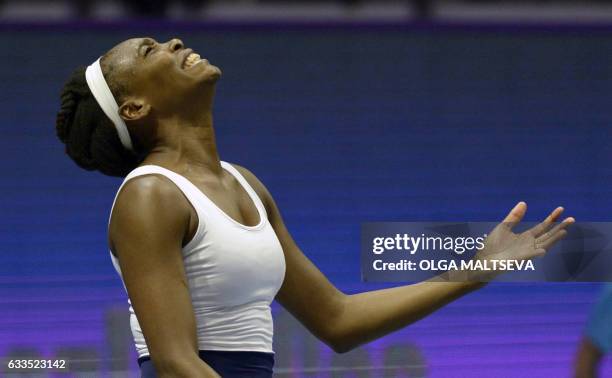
{"x": 214, "y": 75}
{"x": 211, "y": 74}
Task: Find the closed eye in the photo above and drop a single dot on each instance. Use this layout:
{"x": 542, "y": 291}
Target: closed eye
{"x": 148, "y": 49}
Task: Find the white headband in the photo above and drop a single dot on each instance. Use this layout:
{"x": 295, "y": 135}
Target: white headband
{"x": 102, "y": 93}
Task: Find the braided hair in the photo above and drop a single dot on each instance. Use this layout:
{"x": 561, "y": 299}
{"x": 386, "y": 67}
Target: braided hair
{"x": 90, "y": 137}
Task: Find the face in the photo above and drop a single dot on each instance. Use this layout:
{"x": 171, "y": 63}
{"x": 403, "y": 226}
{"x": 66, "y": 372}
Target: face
{"x": 161, "y": 75}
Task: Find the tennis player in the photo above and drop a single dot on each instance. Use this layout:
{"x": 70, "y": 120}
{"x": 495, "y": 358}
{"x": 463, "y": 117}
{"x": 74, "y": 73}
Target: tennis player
{"x": 200, "y": 244}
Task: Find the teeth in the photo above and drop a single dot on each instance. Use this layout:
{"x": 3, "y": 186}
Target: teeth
{"x": 192, "y": 59}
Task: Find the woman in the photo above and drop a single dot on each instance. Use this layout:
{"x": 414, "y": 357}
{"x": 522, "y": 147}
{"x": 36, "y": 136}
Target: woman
{"x": 200, "y": 244}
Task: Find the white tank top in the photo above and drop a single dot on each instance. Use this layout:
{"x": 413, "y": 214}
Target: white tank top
{"x": 234, "y": 272}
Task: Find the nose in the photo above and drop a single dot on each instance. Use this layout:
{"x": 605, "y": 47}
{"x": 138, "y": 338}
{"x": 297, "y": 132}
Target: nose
{"x": 175, "y": 44}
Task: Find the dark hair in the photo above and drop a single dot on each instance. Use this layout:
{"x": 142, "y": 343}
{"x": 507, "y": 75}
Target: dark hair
{"x": 89, "y": 135}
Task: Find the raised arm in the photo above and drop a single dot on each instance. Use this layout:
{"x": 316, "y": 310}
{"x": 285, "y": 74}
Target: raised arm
{"x": 346, "y": 321}
{"x": 149, "y": 224}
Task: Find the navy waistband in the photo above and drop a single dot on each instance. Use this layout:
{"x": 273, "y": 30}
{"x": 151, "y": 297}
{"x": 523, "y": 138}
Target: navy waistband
{"x": 204, "y": 354}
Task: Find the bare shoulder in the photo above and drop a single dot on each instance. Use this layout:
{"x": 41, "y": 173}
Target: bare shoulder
{"x": 145, "y": 192}
{"x": 149, "y": 201}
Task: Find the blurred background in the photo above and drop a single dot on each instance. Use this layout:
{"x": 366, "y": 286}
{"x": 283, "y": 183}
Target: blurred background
{"x": 316, "y": 10}
{"x": 349, "y": 111}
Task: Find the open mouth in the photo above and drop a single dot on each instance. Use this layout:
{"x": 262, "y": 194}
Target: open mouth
{"x": 191, "y": 60}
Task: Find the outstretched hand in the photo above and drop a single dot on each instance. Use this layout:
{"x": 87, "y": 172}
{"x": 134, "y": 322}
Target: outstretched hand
{"x": 503, "y": 244}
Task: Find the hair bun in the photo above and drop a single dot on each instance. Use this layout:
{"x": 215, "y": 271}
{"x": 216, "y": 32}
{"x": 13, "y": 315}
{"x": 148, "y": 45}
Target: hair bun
{"x": 64, "y": 117}
{"x": 90, "y": 138}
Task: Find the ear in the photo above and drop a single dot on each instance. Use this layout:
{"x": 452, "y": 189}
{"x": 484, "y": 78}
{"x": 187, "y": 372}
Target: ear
{"x": 134, "y": 109}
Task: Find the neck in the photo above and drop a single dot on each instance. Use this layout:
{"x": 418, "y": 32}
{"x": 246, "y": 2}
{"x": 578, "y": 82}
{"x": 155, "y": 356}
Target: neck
{"x": 185, "y": 143}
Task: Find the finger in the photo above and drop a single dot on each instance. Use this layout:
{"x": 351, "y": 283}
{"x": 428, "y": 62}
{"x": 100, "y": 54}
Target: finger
{"x": 515, "y": 215}
{"x": 551, "y": 233}
{"x": 539, "y": 252}
{"x": 546, "y": 244}
{"x": 541, "y": 228}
